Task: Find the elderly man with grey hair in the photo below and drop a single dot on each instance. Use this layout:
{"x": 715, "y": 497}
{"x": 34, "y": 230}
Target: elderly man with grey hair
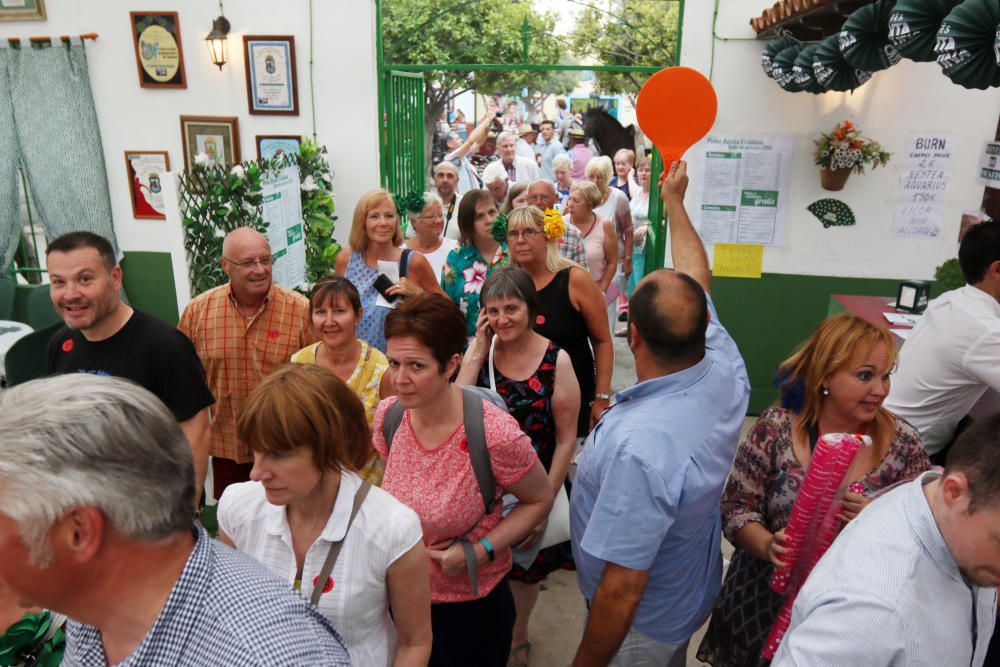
{"x": 96, "y": 489}
{"x": 519, "y": 169}
{"x": 542, "y": 193}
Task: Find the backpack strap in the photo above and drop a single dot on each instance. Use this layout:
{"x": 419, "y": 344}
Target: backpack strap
{"x": 475, "y": 434}
{"x": 391, "y": 420}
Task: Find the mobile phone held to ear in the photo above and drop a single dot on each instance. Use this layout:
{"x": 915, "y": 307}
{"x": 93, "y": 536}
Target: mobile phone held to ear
{"x": 382, "y": 284}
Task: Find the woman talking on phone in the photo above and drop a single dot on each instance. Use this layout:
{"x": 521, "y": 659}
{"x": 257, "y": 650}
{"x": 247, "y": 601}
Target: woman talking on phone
{"x": 376, "y": 238}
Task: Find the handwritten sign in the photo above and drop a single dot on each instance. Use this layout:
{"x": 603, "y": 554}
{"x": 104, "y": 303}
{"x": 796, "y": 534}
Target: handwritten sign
{"x": 738, "y": 260}
{"x": 923, "y": 183}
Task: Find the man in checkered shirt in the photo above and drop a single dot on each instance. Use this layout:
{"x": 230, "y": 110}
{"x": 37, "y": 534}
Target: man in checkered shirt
{"x": 96, "y": 490}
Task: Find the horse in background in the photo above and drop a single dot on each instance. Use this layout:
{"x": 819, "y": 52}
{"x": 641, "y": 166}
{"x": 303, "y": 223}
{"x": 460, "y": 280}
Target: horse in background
{"x": 608, "y": 134}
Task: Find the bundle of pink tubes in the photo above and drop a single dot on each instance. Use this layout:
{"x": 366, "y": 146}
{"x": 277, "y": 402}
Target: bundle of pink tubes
{"x": 812, "y": 525}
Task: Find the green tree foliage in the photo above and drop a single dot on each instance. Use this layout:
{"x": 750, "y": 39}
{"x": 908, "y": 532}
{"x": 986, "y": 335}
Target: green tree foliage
{"x": 474, "y": 31}
{"x": 632, "y": 32}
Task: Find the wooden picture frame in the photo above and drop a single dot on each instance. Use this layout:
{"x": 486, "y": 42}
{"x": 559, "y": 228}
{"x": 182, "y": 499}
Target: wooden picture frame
{"x": 217, "y": 136}
{"x": 159, "y": 56}
{"x": 269, "y": 67}
{"x": 268, "y": 145}
{"x": 145, "y": 170}
{"x": 22, "y": 10}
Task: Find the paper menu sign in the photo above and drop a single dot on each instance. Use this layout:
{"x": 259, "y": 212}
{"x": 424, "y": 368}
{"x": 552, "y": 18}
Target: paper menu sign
{"x": 738, "y": 260}
{"x": 390, "y": 268}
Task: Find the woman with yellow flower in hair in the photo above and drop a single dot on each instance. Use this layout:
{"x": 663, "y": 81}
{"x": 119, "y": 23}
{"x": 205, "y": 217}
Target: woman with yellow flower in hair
{"x": 571, "y": 311}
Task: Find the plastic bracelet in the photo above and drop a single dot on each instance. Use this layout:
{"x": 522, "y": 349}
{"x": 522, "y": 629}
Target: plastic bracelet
{"x": 489, "y": 549}
{"x": 604, "y": 397}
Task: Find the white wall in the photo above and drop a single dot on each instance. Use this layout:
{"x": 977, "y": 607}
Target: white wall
{"x": 910, "y": 97}
{"x": 134, "y": 118}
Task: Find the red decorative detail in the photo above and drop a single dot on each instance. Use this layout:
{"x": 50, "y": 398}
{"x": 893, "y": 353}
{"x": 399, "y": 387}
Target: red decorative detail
{"x": 463, "y": 444}
{"x": 67, "y": 345}
{"x": 327, "y": 587}
{"x": 273, "y": 333}
{"x": 539, "y": 320}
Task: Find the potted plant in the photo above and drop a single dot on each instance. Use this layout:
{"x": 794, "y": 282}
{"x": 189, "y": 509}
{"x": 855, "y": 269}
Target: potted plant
{"x": 844, "y": 150}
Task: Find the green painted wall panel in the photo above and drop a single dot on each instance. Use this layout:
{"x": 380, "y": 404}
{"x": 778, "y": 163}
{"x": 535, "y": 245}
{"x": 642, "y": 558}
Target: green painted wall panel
{"x": 148, "y": 278}
{"x": 769, "y": 317}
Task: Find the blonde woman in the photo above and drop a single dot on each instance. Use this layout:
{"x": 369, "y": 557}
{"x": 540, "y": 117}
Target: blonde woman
{"x": 613, "y": 206}
{"x": 376, "y": 236}
{"x": 598, "y": 233}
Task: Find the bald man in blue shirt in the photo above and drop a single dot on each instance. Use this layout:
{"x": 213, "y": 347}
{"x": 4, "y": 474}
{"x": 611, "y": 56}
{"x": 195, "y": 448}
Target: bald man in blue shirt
{"x": 644, "y": 516}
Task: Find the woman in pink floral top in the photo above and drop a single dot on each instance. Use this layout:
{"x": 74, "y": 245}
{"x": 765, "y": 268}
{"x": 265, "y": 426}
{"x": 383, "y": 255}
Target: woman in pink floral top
{"x": 428, "y": 469}
{"x": 836, "y": 382}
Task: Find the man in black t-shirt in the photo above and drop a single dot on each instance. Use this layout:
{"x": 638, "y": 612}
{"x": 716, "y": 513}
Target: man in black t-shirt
{"x": 107, "y": 337}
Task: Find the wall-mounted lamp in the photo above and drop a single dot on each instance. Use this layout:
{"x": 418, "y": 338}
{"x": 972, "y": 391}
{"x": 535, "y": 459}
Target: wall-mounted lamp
{"x": 217, "y": 39}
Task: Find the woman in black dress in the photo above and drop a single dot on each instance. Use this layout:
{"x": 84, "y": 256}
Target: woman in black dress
{"x": 571, "y": 309}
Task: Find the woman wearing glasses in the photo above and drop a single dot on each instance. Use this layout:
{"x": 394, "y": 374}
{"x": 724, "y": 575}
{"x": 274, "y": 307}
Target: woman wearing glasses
{"x": 571, "y": 308}
{"x": 426, "y": 217}
{"x": 376, "y": 238}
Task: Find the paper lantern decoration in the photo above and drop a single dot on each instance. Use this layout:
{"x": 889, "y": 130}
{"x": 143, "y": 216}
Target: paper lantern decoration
{"x": 966, "y": 44}
{"x": 832, "y": 213}
{"x": 913, "y": 27}
{"x": 832, "y": 71}
{"x": 803, "y": 73}
{"x": 864, "y": 39}
{"x": 781, "y": 70}
{"x": 772, "y": 49}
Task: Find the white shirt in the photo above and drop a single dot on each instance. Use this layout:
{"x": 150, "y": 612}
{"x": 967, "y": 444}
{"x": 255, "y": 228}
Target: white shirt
{"x": 525, "y": 170}
{"x": 524, "y": 149}
{"x": 437, "y": 258}
{"x": 946, "y": 365}
{"x": 382, "y": 532}
{"x": 888, "y": 592}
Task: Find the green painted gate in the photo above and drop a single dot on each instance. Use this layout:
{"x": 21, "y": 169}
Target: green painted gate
{"x": 402, "y": 131}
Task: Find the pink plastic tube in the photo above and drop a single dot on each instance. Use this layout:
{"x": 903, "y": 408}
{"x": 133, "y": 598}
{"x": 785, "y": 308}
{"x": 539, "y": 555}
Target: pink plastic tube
{"x": 812, "y": 525}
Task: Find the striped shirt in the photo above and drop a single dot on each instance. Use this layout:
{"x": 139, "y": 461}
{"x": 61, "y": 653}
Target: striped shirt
{"x": 238, "y": 352}
{"x": 225, "y": 609}
{"x": 888, "y": 592}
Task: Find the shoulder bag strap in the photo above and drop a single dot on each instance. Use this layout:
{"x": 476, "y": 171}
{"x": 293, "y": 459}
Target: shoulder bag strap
{"x": 391, "y": 420}
{"x": 331, "y": 556}
{"x": 492, "y": 372}
{"x": 404, "y": 262}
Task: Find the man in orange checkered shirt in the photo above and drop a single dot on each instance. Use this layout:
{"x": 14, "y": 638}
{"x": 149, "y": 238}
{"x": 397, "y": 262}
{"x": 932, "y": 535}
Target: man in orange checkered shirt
{"x": 242, "y": 331}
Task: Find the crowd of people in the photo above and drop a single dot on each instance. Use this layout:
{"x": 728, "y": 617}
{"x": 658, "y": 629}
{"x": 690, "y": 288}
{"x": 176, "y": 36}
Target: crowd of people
{"x": 402, "y": 458}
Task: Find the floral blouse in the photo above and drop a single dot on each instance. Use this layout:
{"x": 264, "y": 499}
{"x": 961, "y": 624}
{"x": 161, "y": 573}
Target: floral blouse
{"x": 766, "y": 476}
{"x": 463, "y": 275}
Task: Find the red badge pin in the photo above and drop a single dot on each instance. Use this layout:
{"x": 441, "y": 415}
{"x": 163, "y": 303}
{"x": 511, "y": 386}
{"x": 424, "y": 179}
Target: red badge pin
{"x": 273, "y": 333}
{"x": 67, "y": 345}
{"x": 539, "y": 320}
{"x": 463, "y": 444}
{"x": 327, "y": 587}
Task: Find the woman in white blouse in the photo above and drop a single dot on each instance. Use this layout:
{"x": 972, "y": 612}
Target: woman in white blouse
{"x": 309, "y": 437}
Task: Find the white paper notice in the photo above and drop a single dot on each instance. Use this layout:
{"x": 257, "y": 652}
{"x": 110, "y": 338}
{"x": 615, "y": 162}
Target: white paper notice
{"x": 390, "y": 269}
{"x": 902, "y": 333}
{"x": 902, "y": 319}
{"x": 740, "y": 188}
{"x": 923, "y": 181}
{"x": 282, "y": 212}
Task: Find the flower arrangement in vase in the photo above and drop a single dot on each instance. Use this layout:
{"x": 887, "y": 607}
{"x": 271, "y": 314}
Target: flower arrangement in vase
{"x": 844, "y": 150}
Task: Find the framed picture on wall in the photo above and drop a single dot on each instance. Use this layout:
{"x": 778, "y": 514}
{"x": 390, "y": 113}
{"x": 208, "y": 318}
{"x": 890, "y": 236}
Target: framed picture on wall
{"x": 215, "y": 137}
{"x": 145, "y": 174}
{"x": 272, "y": 145}
{"x": 158, "y": 54}
{"x": 272, "y": 87}
{"x": 22, "y": 10}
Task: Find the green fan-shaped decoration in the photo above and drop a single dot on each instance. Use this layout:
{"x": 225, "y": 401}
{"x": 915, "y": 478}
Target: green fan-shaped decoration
{"x": 864, "y": 39}
{"x": 781, "y": 70}
{"x": 802, "y": 71}
{"x": 832, "y": 212}
{"x": 772, "y": 49}
{"x": 832, "y": 71}
{"x": 965, "y": 44}
{"x": 913, "y": 27}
